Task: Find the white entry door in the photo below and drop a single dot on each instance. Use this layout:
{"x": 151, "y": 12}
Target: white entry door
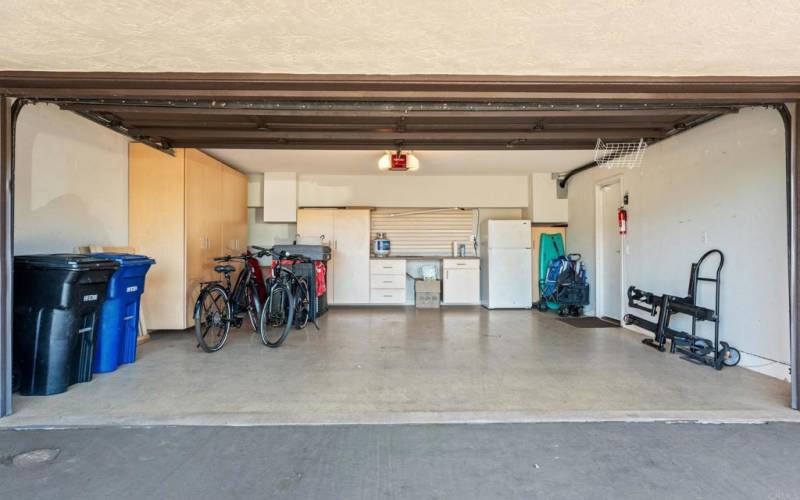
{"x": 610, "y": 252}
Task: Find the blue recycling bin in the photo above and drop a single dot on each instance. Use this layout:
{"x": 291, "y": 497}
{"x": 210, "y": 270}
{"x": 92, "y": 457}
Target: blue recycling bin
{"x": 119, "y": 318}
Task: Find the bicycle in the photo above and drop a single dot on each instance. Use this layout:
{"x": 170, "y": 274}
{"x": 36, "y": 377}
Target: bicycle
{"x": 288, "y": 302}
{"x": 220, "y": 306}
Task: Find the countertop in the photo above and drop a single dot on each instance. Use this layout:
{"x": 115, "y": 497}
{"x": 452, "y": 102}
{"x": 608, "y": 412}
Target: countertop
{"x": 422, "y": 257}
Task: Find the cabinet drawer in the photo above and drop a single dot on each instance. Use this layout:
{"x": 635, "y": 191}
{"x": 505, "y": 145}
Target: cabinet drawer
{"x": 387, "y": 296}
{"x": 388, "y": 281}
{"x": 393, "y": 266}
{"x": 461, "y": 263}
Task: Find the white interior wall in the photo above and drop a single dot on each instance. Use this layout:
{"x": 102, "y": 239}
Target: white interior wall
{"x": 544, "y": 206}
{"x": 71, "y": 183}
{"x": 502, "y": 196}
{"x": 407, "y": 190}
{"x": 721, "y": 185}
{"x": 266, "y": 234}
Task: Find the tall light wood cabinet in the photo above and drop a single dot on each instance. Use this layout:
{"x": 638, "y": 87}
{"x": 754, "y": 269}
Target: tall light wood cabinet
{"x": 234, "y": 211}
{"x": 347, "y": 233}
{"x": 184, "y": 210}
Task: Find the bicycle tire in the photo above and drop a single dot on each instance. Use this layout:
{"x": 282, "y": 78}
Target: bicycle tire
{"x": 253, "y": 306}
{"x": 220, "y": 318}
{"x": 302, "y": 305}
{"x": 277, "y": 316}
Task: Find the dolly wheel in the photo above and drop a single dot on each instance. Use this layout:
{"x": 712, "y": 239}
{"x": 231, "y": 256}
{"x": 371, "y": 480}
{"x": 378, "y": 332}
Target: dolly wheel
{"x": 542, "y": 305}
{"x": 732, "y": 357}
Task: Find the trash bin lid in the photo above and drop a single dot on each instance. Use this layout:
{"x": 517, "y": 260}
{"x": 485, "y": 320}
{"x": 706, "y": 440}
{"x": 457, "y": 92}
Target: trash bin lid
{"x": 68, "y": 261}
{"x": 126, "y": 259}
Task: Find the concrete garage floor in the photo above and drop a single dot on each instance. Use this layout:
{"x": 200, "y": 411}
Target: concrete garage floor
{"x": 403, "y": 365}
{"x": 552, "y": 461}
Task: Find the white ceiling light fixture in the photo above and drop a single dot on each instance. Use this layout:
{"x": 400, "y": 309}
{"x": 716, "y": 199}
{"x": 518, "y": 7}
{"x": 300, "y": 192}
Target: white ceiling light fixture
{"x": 398, "y": 161}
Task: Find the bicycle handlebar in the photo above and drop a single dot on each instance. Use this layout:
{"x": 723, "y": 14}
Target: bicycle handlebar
{"x": 261, "y": 252}
{"x": 279, "y": 255}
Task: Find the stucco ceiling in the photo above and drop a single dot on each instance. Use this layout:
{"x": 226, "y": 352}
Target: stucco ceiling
{"x": 431, "y": 162}
{"x": 512, "y": 37}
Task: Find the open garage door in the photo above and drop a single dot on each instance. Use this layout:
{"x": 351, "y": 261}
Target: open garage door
{"x": 373, "y": 112}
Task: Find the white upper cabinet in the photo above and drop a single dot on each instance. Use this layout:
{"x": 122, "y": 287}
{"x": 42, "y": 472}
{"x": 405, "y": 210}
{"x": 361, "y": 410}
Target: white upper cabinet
{"x": 280, "y": 197}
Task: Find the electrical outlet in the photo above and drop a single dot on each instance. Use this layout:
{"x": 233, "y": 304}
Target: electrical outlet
{"x": 705, "y": 237}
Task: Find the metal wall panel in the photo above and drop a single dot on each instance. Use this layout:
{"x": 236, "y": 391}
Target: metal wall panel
{"x": 424, "y": 231}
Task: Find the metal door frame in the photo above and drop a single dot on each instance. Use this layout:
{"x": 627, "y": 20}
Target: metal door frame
{"x": 9, "y": 111}
{"x": 752, "y": 91}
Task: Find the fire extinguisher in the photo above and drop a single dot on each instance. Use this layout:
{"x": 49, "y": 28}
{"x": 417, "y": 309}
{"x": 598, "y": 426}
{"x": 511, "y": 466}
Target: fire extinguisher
{"x": 622, "y": 219}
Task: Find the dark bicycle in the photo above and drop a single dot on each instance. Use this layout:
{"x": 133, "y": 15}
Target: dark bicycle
{"x": 220, "y": 306}
{"x": 288, "y": 302}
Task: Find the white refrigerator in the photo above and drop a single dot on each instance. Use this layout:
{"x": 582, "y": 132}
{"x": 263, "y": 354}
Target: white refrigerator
{"x": 506, "y": 264}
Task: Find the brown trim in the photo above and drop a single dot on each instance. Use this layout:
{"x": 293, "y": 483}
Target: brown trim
{"x": 735, "y": 89}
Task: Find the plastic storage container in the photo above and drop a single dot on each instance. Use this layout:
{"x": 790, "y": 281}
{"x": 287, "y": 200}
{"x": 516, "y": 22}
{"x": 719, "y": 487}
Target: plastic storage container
{"x": 57, "y": 301}
{"x": 119, "y": 320}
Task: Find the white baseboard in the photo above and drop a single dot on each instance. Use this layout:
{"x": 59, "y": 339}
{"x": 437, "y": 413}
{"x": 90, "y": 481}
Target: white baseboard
{"x": 753, "y": 362}
{"x": 767, "y": 367}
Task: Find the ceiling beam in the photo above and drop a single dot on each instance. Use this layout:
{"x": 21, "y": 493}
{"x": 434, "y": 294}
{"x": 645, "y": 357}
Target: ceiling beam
{"x": 374, "y": 111}
{"x": 176, "y": 134}
{"x": 449, "y": 146}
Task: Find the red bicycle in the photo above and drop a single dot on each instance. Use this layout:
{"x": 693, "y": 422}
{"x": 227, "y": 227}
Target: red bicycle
{"x": 220, "y": 305}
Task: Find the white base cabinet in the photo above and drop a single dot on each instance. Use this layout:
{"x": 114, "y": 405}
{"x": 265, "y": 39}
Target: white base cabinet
{"x": 461, "y": 284}
{"x": 387, "y": 281}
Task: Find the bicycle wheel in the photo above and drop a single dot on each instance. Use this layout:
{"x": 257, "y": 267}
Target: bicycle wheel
{"x": 302, "y": 304}
{"x": 253, "y": 305}
{"x": 212, "y": 318}
{"x": 277, "y": 315}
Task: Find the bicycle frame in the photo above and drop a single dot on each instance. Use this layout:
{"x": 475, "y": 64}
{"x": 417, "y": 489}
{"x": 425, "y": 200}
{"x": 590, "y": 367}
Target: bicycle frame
{"x": 249, "y": 273}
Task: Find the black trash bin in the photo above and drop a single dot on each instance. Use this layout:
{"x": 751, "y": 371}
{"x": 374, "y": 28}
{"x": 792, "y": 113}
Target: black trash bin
{"x": 57, "y": 301}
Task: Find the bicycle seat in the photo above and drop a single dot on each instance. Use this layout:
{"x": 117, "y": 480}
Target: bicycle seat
{"x": 224, "y": 269}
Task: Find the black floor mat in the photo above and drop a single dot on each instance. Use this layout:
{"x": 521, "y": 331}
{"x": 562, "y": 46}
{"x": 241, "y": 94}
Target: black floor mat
{"x": 591, "y": 322}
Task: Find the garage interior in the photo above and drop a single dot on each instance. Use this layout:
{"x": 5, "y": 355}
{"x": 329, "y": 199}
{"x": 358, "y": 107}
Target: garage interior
{"x": 714, "y": 176}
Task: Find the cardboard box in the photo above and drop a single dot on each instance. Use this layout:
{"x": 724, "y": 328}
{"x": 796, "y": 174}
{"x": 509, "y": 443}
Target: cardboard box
{"x": 427, "y": 286}
{"x": 427, "y": 294}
